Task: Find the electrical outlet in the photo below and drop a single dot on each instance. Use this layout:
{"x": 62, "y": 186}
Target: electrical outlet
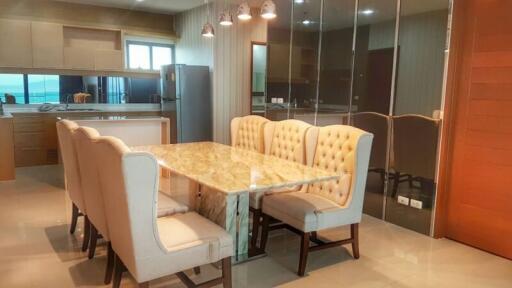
{"x": 403, "y": 200}
{"x": 416, "y": 204}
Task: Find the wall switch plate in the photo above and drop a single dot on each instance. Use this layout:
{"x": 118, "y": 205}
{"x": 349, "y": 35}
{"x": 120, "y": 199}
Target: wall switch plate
{"x": 403, "y": 200}
{"x": 416, "y": 204}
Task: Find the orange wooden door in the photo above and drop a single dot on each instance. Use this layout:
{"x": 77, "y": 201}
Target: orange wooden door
{"x": 479, "y": 177}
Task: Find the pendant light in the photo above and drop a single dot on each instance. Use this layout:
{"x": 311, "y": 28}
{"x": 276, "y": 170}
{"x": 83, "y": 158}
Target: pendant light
{"x": 207, "y": 30}
{"x": 244, "y": 11}
{"x": 226, "y": 19}
{"x": 268, "y": 9}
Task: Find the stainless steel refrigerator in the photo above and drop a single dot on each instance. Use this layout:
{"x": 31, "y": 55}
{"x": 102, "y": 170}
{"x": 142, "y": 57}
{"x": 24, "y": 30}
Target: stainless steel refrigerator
{"x": 187, "y": 101}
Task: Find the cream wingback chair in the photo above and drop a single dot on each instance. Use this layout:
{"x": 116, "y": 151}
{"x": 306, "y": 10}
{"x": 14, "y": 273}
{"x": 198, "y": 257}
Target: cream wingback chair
{"x": 65, "y": 131}
{"x": 247, "y": 132}
{"x": 341, "y": 149}
{"x": 84, "y": 138}
{"x": 147, "y": 246}
{"x": 286, "y": 140}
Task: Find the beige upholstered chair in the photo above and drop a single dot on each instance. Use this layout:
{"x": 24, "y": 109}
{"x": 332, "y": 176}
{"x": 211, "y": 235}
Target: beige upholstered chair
{"x": 286, "y": 140}
{"x": 341, "y": 149}
{"x": 84, "y": 138}
{"x": 65, "y": 130}
{"x": 247, "y": 133}
{"x": 147, "y": 246}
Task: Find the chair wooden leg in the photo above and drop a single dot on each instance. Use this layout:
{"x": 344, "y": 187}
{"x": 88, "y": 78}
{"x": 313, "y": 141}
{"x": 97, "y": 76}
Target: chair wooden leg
{"x": 256, "y": 215}
{"x": 110, "y": 264}
{"x": 93, "y": 241}
{"x": 74, "y": 218}
{"x": 354, "y": 235}
{"x": 197, "y": 270}
{"x": 264, "y": 231}
{"x": 87, "y": 233}
{"x": 118, "y": 272}
{"x": 226, "y": 272}
{"x": 304, "y": 250}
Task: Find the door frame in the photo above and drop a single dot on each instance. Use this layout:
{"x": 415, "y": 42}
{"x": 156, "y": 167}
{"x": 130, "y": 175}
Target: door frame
{"x": 455, "y": 60}
{"x": 254, "y": 43}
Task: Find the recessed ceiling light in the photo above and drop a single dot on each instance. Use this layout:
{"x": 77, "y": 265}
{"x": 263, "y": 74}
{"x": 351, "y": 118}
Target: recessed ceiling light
{"x": 367, "y": 12}
{"x": 306, "y": 22}
{"x": 298, "y": 1}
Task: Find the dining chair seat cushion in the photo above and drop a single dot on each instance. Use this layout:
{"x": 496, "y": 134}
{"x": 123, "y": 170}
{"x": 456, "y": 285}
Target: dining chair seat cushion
{"x": 188, "y": 240}
{"x": 255, "y": 198}
{"x": 168, "y": 206}
{"x": 305, "y": 211}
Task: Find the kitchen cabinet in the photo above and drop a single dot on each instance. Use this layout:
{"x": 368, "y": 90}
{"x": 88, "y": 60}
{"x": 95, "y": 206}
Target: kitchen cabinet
{"x": 7, "y": 171}
{"x": 81, "y": 58}
{"x": 35, "y": 137}
{"x": 47, "y": 45}
{"x": 108, "y": 60}
{"x": 16, "y": 43}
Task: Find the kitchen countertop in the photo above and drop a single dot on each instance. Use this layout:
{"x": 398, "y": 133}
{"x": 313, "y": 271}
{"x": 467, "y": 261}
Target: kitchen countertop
{"x": 81, "y": 108}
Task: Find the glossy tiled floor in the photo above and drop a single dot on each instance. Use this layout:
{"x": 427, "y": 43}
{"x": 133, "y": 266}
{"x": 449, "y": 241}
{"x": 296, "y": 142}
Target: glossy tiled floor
{"x": 37, "y": 251}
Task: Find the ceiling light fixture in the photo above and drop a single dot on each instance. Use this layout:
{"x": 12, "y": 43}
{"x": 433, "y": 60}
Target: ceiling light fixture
{"x": 307, "y": 22}
{"x": 244, "y": 11}
{"x": 299, "y": 1}
{"x": 268, "y": 9}
{"x": 207, "y": 30}
{"x": 226, "y": 19}
{"x": 367, "y": 12}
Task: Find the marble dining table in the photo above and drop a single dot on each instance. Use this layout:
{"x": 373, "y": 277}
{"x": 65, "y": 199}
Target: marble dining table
{"x": 221, "y": 178}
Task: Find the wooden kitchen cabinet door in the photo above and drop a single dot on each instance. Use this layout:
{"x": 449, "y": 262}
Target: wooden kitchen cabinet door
{"x": 16, "y": 43}
{"x": 48, "y": 45}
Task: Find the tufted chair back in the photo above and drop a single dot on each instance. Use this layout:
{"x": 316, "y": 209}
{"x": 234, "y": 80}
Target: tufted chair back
{"x": 65, "y": 131}
{"x": 336, "y": 150}
{"x": 84, "y": 138}
{"x": 247, "y": 132}
{"x": 286, "y": 139}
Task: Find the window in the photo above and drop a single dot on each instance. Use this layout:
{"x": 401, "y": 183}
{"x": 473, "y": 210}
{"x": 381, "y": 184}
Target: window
{"x": 115, "y": 90}
{"x": 30, "y": 89}
{"x": 149, "y": 56}
{"x": 12, "y": 84}
{"x": 43, "y": 89}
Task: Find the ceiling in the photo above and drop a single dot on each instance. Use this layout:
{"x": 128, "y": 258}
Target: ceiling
{"x": 157, "y": 6}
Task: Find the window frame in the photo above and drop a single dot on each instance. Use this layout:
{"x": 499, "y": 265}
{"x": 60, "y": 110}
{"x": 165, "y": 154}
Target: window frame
{"x": 150, "y": 45}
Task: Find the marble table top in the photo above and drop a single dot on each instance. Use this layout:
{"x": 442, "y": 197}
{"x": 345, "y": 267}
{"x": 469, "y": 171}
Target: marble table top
{"x": 233, "y": 170}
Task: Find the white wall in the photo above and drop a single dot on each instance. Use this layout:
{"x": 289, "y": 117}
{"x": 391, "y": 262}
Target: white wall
{"x": 228, "y": 53}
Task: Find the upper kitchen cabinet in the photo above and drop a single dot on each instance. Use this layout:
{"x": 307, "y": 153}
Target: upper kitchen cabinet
{"x": 92, "y": 49}
{"x": 47, "y": 45}
{"x": 16, "y": 39}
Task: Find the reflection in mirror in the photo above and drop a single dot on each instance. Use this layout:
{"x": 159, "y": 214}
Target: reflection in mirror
{"x": 417, "y": 103}
{"x": 373, "y": 74}
{"x": 278, "y": 67}
{"x": 304, "y": 60}
{"x": 336, "y": 62}
{"x": 77, "y": 89}
{"x": 258, "y": 79}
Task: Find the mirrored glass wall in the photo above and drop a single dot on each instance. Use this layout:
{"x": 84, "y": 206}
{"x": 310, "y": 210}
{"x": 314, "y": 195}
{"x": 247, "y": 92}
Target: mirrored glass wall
{"x": 377, "y": 65}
